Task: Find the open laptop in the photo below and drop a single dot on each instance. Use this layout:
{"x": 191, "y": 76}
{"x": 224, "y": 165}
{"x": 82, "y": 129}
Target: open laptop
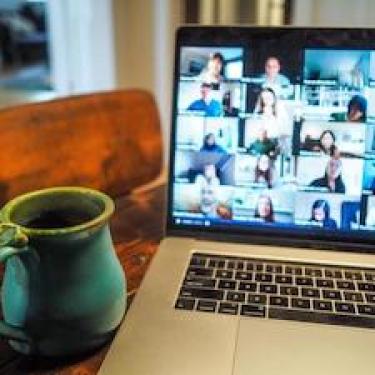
{"x": 267, "y": 266}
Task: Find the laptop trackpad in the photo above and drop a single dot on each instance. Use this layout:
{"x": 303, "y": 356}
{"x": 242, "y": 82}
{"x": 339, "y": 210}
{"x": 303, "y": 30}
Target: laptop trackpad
{"x": 274, "y": 347}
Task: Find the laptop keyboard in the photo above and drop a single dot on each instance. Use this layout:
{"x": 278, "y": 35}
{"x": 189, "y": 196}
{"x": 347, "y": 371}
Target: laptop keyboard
{"x": 279, "y": 290}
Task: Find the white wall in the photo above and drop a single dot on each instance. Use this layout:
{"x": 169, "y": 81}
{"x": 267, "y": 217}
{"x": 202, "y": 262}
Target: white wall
{"x": 144, "y": 45}
{"x": 81, "y": 45}
{"x": 349, "y": 13}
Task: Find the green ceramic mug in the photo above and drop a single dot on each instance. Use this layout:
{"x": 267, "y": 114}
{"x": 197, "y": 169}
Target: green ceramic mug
{"x": 64, "y": 290}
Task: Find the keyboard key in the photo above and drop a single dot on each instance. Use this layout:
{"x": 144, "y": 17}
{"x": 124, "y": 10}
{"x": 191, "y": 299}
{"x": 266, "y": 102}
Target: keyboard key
{"x": 322, "y": 305}
{"x": 199, "y": 282}
{"x": 216, "y": 263}
{"x": 224, "y": 274}
{"x": 268, "y": 288}
{"x": 202, "y": 293}
{"x": 289, "y": 290}
{"x": 345, "y": 285}
{"x": 250, "y": 266}
{"x": 293, "y": 270}
{"x": 197, "y": 271}
{"x": 207, "y": 306}
{"x": 226, "y": 284}
{"x": 370, "y": 298}
{"x": 259, "y": 267}
{"x": 343, "y": 307}
{"x": 274, "y": 268}
{"x": 351, "y": 275}
{"x": 257, "y": 298}
{"x": 366, "y": 309}
{"x": 185, "y": 304}
{"x": 353, "y": 296}
{"x": 282, "y": 279}
{"x": 331, "y": 294}
{"x": 324, "y": 283}
{"x": 334, "y": 274}
{"x": 263, "y": 277}
{"x": 236, "y": 296}
{"x": 366, "y": 287}
{"x": 321, "y": 317}
{"x": 228, "y": 308}
{"x": 301, "y": 303}
{"x": 304, "y": 281}
{"x": 279, "y": 301}
{"x": 247, "y": 276}
{"x": 248, "y": 287}
{"x": 310, "y": 292}
{"x": 231, "y": 265}
{"x": 240, "y": 265}
{"x": 370, "y": 276}
{"x": 313, "y": 272}
{"x": 198, "y": 261}
{"x": 253, "y": 310}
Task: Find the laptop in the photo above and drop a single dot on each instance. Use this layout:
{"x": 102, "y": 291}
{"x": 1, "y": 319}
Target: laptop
{"x": 268, "y": 262}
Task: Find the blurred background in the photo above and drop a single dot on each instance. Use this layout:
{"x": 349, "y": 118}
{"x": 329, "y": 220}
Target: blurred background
{"x": 54, "y": 48}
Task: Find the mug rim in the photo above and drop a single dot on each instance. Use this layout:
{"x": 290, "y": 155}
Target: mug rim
{"x": 108, "y": 210}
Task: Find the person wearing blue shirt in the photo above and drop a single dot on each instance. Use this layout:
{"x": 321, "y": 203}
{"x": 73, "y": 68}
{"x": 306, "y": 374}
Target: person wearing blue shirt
{"x": 210, "y": 145}
{"x": 206, "y": 104}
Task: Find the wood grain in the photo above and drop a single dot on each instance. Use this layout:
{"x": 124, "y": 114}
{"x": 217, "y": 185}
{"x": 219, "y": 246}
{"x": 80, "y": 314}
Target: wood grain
{"x": 108, "y": 141}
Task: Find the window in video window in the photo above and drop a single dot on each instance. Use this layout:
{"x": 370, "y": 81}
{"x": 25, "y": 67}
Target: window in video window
{"x": 263, "y": 206}
{"x": 203, "y": 199}
{"x": 336, "y": 83}
{"x": 211, "y": 65}
{"x": 327, "y": 211}
{"x": 213, "y": 167}
{"x": 369, "y": 176}
{"x": 330, "y": 174}
{"x": 207, "y": 134}
{"x": 325, "y": 138}
{"x": 369, "y": 222}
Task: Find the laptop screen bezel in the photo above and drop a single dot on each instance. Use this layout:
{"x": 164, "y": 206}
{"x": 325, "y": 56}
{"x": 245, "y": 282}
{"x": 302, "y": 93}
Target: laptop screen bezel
{"x": 358, "y": 241}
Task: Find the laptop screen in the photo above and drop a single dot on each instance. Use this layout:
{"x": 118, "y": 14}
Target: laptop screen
{"x": 274, "y": 132}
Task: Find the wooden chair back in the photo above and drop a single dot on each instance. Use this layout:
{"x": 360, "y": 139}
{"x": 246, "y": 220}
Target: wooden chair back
{"x": 109, "y": 141}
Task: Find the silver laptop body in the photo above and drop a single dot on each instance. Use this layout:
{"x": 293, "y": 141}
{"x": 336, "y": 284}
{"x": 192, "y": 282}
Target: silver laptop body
{"x": 267, "y": 266}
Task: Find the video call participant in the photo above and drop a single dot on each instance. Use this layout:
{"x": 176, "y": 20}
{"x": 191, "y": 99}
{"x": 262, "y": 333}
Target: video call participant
{"x": 264, "y": 209}
{"x": 326, "y": 143}
{"x": 273, "y": 79}
{"x": 272, "y": 113}
{"x": 207, "y": 184}
{"x": 321, "y": 213}
{"x": 206, "y": 104}
{"x": 356, "y": 112}
{"x": 210, "y": 145}
{"x": 213, "y": 72}
{"x": 332, "y": 179}
{"x": 263, "y": 171}
{"x": 263, "y": 145}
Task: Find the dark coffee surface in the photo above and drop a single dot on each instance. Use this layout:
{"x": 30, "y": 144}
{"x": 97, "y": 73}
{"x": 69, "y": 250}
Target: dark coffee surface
{"x": 54, "y": 219}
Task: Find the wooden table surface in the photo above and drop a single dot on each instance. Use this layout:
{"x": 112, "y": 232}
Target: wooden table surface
{"x": 137, "y": 228}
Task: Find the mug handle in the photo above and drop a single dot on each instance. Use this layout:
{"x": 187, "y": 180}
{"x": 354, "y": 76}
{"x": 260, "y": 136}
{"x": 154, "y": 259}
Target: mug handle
{"x": 12, "y": 242}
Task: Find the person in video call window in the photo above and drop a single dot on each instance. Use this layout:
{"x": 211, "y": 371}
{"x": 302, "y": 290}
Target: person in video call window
{"x": 209, "y": 144}
{"x": 272, "y": 78}
{"x": 213, "y": 72}
{"x": 356, "y": 111}
{"x": 264, "y": 209}
{"x": 332, "y": 179}
{"x": 263, "y": 145}
{"x": 207, "y": 184}
{"x": 326, "y": 143}
{"x": 321, "y": 213}
{"x": 263, "y": 171}
{"x": 229, "y": 110}
{"x": 273, "y": 114}
{"x": 206, "y": 104}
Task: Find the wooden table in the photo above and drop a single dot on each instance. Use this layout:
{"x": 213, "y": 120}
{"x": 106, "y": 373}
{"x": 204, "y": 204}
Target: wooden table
{"x": 137, "y": 228}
